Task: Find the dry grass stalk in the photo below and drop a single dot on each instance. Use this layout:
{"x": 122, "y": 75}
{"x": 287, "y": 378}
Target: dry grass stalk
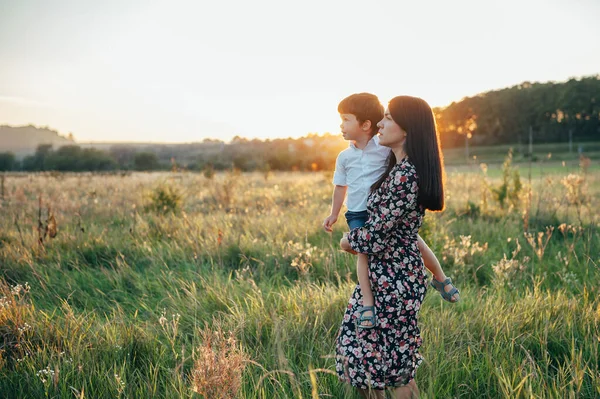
{"x": 40, "y": 225}
{"x": 46, "y": 228}
{"x": 14, "y": 329}
{"x": 19, "y": 230}
{"x": 219, "y": 365}
{"x": 539, "y": 241}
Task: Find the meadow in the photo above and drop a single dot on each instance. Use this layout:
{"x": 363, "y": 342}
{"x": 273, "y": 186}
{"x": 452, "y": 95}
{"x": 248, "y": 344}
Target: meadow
{"x": 179, "y": 285}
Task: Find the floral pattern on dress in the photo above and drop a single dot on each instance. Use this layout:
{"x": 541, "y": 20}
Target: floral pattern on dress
{"x": 388, "y": 354}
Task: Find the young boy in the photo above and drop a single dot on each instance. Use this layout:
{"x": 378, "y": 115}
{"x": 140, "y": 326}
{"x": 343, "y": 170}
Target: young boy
{"x": 356, "y": 169}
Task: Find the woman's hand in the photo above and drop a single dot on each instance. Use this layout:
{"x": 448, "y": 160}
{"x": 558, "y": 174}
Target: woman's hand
{"x": 345, "y": 244}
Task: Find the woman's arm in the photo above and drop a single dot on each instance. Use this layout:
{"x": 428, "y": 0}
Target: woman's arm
{"x": 398, "y": 200}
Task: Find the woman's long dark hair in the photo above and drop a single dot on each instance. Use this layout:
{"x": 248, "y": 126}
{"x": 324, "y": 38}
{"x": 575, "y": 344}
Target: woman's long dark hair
{"x": 422, "y": 146}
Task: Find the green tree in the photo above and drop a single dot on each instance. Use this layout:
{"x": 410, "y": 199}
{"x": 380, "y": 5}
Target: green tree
{"x": 96, "y": 160}
{"x": 146, "y": 161}
{"x": 552, "y": 110}
{"x": 7, "y": 161}
{"x": 37, "y": 162}
{"x": 66, "y": 158}
{"x": 123, "y": 155}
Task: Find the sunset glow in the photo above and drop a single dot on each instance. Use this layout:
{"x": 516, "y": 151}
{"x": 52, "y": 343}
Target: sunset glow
{"x": 183, "y": 71}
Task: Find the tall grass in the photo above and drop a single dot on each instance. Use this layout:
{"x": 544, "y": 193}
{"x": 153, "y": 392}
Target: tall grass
{"x": 239, "y": 292}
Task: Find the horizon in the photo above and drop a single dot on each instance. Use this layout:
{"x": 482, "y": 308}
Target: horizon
{"x": 182, "y": 72}
{"x": 305, "y": 135}
{"x": 283, "y": 137}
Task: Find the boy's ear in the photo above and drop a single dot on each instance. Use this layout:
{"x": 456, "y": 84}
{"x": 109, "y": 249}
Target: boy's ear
{"x": 366, "y": 126}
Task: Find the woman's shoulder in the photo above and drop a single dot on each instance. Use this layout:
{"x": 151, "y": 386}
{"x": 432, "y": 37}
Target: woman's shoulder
{"x": 403, "y": 172}
{"x": 404, "y": 167}
{"x": 404, "y": 176}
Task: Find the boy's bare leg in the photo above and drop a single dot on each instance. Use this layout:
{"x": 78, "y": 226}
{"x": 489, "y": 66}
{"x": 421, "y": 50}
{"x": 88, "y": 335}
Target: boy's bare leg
{"x": 372, "y": 393}
{"x": 432, "y": 264}
{"x": 409, "y": 391}
{"x": 362, "y": 270}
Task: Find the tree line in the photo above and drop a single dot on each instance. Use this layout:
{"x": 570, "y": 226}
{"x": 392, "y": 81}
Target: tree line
{"x": 309, "y": 153}
{"x": 547, "y": 112}
{"x": 551, "y": 112}
{"x": 72, "y": 158}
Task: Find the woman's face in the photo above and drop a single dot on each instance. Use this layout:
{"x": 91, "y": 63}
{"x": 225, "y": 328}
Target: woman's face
{"x": 390, "y": 133}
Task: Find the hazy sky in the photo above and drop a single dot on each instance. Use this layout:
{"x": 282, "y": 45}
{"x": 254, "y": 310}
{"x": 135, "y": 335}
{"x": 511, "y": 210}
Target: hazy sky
{"x": 186, "y": 70}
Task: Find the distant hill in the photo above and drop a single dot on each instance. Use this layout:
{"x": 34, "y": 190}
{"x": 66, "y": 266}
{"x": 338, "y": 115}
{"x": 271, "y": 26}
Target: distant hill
{"x": 551, "y": 112}
{"x": 23, "y": 140}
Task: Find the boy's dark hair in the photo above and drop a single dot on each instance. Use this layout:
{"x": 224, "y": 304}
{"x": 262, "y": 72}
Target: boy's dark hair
{"x": 365, "y": 106}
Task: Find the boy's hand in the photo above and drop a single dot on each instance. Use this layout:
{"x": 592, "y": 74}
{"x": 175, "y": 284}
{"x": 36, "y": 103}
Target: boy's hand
{"x": 329, "y": 222}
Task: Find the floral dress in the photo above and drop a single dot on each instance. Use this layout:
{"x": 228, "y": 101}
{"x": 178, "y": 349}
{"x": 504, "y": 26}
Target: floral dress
{"x": 388, "y": 354}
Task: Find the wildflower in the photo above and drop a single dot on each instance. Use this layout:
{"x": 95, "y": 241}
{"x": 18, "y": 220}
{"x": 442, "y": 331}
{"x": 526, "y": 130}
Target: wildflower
{"x": 17, "y": 289}
{"x": 5, "y": 303}
{"x": 46, "y": 374}
{"x": 538, "y": 243}
{"x": 120, "y": 383}
{"x": 461, "y": 252}
{"x": 26, "y": 327}
{"x": 19, "y": 360}
{"x": 162, "y": 320}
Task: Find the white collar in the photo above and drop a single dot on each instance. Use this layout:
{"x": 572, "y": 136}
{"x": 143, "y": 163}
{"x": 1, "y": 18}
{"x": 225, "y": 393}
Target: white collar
{"x": 374, "y": 139}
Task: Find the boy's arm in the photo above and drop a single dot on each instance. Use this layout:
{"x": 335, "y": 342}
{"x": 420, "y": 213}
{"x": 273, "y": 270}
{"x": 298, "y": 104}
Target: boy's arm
{"x": 430, "y": 261}
{"x": 339, "y": 193}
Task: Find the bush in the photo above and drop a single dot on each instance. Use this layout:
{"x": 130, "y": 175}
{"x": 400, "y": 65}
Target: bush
{"x": 165, "y": 199}
{"x": 145, "y": 161}
{"x": 209, "y": 171}
{"x": 506, "y": 190}
{"x": 7, "y": 161}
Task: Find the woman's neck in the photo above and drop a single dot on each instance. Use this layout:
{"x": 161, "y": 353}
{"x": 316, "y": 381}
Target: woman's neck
{"x": 399, "y": 153}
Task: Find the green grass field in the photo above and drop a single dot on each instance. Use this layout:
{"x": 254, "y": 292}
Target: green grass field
{"x": 541, "y": 153}
{"x": 239, "y": 293}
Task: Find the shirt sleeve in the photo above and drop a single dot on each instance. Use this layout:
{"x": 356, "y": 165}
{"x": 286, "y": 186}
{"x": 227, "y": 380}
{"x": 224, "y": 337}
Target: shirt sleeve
{"x": 398, "y": 200}
{"x": 339, "y": 176}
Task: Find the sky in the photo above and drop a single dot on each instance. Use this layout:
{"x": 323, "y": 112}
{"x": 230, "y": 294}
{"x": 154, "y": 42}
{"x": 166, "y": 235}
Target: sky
{"x": 183, "y": 71}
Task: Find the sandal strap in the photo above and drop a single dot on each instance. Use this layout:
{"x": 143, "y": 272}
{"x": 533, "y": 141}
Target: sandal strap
{"x": 362, "y": 318}
{"x": 365, "y": 309}
{"x": 440, "y": 287}
{"x": 448, "y": 295}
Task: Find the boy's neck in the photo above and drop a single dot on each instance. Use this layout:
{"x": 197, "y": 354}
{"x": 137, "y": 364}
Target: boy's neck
{"x": 362, "y": 143}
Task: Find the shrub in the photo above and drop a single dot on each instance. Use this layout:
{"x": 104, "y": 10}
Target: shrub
{"x": 164, "y": 199}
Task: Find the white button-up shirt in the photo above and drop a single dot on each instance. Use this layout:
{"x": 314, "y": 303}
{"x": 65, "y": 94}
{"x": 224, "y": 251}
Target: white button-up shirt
{"x": 359, "y": 169}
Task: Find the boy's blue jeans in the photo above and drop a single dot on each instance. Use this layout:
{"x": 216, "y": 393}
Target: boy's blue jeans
{"x": 356, "y": 219}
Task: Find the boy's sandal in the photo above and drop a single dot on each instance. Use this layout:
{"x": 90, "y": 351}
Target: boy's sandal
{"x": 440, "y": 287}
{"x": 362, "y": 318}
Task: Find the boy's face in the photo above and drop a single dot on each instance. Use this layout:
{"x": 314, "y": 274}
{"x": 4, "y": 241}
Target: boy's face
{"x": 352, "y": 129}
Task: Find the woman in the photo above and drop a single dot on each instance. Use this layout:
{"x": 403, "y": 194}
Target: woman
{"x": 387, "y": 356}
